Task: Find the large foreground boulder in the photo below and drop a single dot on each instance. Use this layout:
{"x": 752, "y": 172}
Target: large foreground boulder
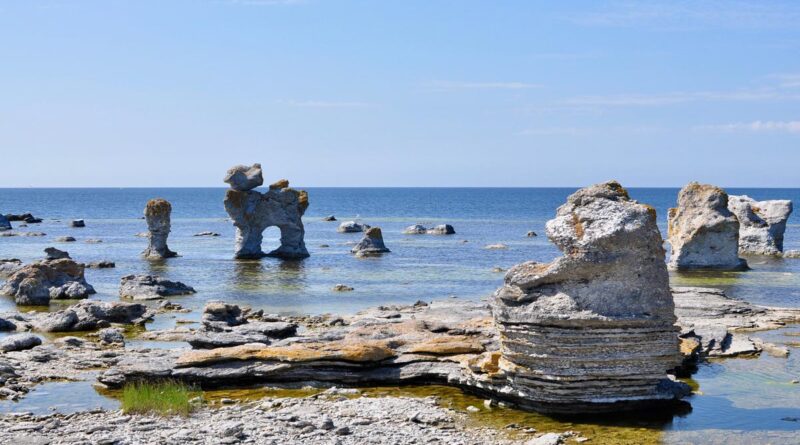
{"x": 253, "y": 212}
{"x": 151, "y": 287}
{"x": 36, "y": 283}
{"x": 761, "y": 224}
{"x": 596, "y": 327}
{"x": 703, "y": 233}
{"x": 157, "y": 214}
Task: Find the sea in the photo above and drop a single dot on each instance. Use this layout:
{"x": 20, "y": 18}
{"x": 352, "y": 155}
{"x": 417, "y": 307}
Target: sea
{"x": 736, "y": 397}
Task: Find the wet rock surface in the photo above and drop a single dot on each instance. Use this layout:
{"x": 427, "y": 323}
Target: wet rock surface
{"x": 253, "y": 212}
{"x": 37, "y": 283}
{"x": 703, "y": 232}
{"x": 594, "y": 327}
{"x": 151, "y": 287}
{"x": 157, "y": 213}
{"x": 762, "y": 224}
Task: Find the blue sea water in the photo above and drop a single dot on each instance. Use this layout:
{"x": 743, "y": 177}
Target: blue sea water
{"x": 739, "y": 395}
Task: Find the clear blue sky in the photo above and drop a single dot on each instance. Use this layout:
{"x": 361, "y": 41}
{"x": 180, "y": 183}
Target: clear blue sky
{"x": 399, "y": 93}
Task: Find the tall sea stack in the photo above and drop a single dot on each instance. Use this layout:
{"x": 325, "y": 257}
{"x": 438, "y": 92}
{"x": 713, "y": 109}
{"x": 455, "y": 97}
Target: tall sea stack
{"x": 157, "y": 214}
{"x": 594, "y": 330}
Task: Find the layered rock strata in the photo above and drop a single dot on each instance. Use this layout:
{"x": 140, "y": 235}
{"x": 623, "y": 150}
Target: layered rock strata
{"x": 761, "y": 224}
{"x": 595, "y": 328}
{"x": 253, "y": 212}
{"x": 703, "y": 233}
{"x": 371, "y": 244}
{"x": 157, "y": 214}
{"x": 37, "y": 283}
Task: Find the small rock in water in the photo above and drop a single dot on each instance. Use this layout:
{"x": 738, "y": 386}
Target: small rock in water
{"x": 498, "y": 269}
{"x": 371, "y": 244}
{"x": 93, "y": 241}
{"x": 531, "y": 234}
{"x": 78, "y": 223}
{"x": 329, "y": 218}
{"x": 442, "y": 229}
{"x": 352, "y": 227}
{"x": 19, "y": 342}
{"x": 110, "y": 336}
{"x": 324, "y": 246}
{"x": 65, "y": 239}
{"x": 206, "y": 234}
{"x": 151, "y": 287}
{"x": 473, "y": 409}
{"x": 342, "y": 288}
{"x": 101, "y": 265}
{"x": 416, "y": 229}
{"x": 55, "y": 254}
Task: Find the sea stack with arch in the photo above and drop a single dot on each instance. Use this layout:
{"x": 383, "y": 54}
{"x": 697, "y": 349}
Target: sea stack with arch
{"x": 253, "y": 212}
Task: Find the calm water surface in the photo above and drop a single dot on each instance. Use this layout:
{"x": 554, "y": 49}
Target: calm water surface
{"x": 741, "y": 401}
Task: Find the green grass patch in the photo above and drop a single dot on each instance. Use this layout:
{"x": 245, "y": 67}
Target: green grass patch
{"x": 166, "y": 397}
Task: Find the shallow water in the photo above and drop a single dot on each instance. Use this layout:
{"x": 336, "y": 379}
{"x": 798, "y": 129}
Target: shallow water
{"x": 742, "y": 400}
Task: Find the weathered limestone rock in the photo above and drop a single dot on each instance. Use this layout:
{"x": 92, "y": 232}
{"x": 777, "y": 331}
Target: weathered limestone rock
{"x": 89, "y": 315}
{"x": 111, "y": 336}
{"x": 55, "y": 254}
{"x": 703, "y": 233}
{"x": 37, "y": 283}
{"x": 19, "y": 342}
{"x": 371, "y": 243}
{"x": 595, "y": 328}
{"x": 151, "y": 287}
{"x": 8, "y": 266}
{"x": 352, "y": 227}
{"x": 157, "y": 213}
{"x": 243, "y": 178}
{"x": 416, "y": 229}
{"x": 761, "y": 224}
{"x": 4, "y": 223}
{"x": 252, "y": 212}
{"x": 442, "y": 229}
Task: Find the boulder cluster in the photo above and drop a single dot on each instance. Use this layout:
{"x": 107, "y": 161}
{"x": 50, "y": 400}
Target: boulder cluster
{"x": 253, "y": 212}
{"x": 37, "y": 283}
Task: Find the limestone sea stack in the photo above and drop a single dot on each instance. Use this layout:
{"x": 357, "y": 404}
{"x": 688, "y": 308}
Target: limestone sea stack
{"x": 593, "y": 330}
{"x": 371, "y": 244}
{"x": 703, "y": 233}
{"x": 157, "y": 214}
{"x": 761, "y": 224}
{"x": 253, "y": 212}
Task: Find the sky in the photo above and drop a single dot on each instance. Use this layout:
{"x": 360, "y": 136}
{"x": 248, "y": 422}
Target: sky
{"x": 410, "y": 93}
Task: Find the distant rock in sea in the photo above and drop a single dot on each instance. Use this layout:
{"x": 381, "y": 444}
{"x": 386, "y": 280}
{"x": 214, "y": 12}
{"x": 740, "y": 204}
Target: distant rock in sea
{"x": 157, "y": 214}
{"x": 371, "y": 244}
{"x": 762, "y": 224}
{"x": 77, "y": 223}
{"x": 352, "y": 227}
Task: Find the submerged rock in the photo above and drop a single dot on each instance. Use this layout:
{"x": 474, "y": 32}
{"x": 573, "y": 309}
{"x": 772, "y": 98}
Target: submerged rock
{"x": 595, "y": 328}
{"x": 55, "y": 254}
{"x": 206, "y": 234}
{"x": 761, "y": 224}
{"x": 24, "y": 217}
{"x": 19, "y": 342}
{"x": 703, "y": 233}
{"x": 498, "y": 246}
{"x": 243, "y": 178}
{"x": 151, "y": 287}
{"x": 105, "y": 264}
{"x": 352, "y": 227}
{"x": 157, "y": 214}
{"x": 329, "y": 218}
{"x": 531, "y": 234}
{"x": 342, "y": 288}
{"x": 5, "y": 224}
{"x": 416, "y": 229}
{"x": 371, "y": 243}
{"x": 65, "y": 239}
{"x": 253, "y": 212}
{"x": 36, "y": 283}
{"x": 77, "y": 223}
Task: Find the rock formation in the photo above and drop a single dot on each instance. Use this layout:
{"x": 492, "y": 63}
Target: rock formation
{"x": 252, "y": 212}
{"x": 442, "y": 229}
{"x": 19, "y": 342}
{"x": 596, "y": 327}
{"x": 351, "y": 227}
{"x": 36, "y": 283}
{"x": 55, "y": 254}
{"x": 703, "y": 233}
{"x": 761, "y": 224}
{"x": 157, "y": 213}
{"x": 77, "y": 223}
{"x": 151, "y": 287}
{"x": 88, "y": 315}
{"x": 371, "y": 244}
{"x": 4, "y": 223}
{"x": 416, "y": 229}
